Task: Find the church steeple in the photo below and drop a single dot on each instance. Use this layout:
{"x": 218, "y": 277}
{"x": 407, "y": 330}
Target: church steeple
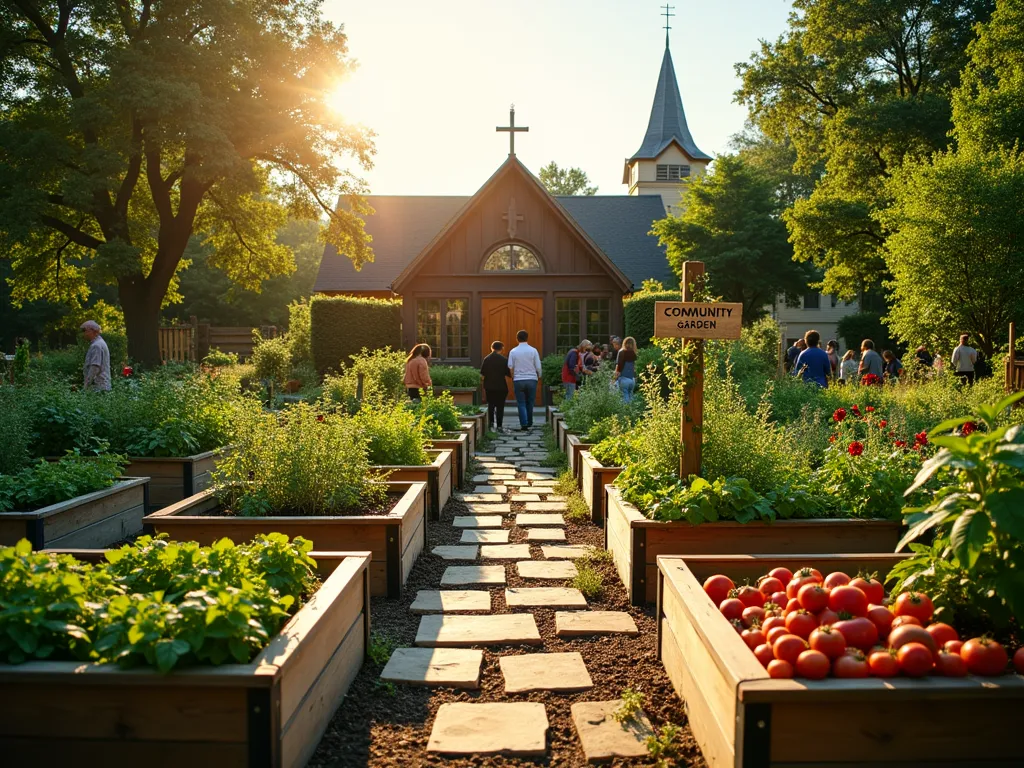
{"x": 668, "y": 121}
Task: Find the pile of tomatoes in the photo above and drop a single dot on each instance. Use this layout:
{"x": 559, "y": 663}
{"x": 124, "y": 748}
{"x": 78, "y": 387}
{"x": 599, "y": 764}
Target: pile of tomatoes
{"x": 807, "y": 625}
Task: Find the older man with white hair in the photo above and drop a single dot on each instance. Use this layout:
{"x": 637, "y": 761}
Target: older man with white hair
{"x": 96, "y": 371}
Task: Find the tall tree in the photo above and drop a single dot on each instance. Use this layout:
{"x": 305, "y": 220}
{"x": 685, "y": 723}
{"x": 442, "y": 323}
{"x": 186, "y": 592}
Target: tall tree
{"x": 565, "y": 181}
{"x": 130, "y": 125}
{"x": 731, "y": 222}
{"x": 859, "y": 86}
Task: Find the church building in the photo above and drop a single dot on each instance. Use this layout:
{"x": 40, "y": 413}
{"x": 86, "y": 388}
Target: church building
{"x": 471, "y": 270}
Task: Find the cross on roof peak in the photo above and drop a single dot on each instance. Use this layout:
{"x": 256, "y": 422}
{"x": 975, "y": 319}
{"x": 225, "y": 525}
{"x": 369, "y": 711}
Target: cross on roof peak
{"x": 511, "y": 130}
{"x": 667, "y": 13}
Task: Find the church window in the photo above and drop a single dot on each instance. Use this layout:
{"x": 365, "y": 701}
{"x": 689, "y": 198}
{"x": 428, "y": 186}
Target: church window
{"x": 512, "y": 258}
{"x": 812, "y": 301}
{"x": 673, "y": 172}
{"x": 444, "y": 325}
{"x": 578, "y": 319}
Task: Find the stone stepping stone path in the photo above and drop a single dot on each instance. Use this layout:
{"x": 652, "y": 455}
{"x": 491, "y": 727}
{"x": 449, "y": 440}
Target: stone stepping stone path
{"x": 518, "y": 729}
{"x": 545, "y": 672}
{"x": 570, "y": 552}
{"x": 545, "y": 534}
{"x": 546, "y": 569}
{"x": 456, "y": 552}
{"x": 488, "y": 489}
{"x": 544, "y": 597}
{"x": 451, "y": 667}
{"x": 477, "y": 521}
{"x": 470, "y": 498}
{"x": 458, "y": 575}
{"x": 489, "y": 509}
{"x": 580, "y": 623}
{"x": 485, "y": 536}
{"x": 444, "y": 631}
{"x": 504, "y": 551}
{"x": 603, "y": 737}
{"x": 525, "y": 519}
{"x": 451, "y": 601}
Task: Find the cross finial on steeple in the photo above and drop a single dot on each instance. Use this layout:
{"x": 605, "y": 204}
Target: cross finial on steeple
{"x": 511, "y": 129}
{"x": 667, "y": 13}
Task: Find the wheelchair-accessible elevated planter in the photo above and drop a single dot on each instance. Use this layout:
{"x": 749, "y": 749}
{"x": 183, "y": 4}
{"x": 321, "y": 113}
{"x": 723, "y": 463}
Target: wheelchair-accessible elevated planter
{"x": 635, "y": 542}
{"x": 269, "y": 713}
{"x": 96, "y": 519}
{"x": 395, "y": 539}
{"x": 742, "y": 718}
{"x": 458, "y": 444}
{"x": 174, "y": 478}
{"x": 594, "y": 476}
{"x": 575, "y": 446}
{"x": 437, "y": 475}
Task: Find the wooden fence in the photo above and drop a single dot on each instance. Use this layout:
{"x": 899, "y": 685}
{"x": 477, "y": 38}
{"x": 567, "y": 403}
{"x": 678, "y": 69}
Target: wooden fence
{"x": 193, "y": 342}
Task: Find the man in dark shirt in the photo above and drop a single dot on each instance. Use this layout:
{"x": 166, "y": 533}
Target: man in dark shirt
{"x": 813, "y": 363}
{"x": 493, "y": 371}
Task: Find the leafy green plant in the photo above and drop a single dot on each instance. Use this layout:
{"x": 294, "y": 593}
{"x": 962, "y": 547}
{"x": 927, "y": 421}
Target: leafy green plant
{"x": 457, "y": 376}
{"x": 554, "y": 458}
{"x": 381, "y": 647}
{"x": 271, "y": 359}
{"x": 16, "y": 432}
{"x": 576, "y": 508}
{"x": 394, "y": 435}
{"x": 22, "y": 359}
{"x": 598, "y": 400}
{"x": 663, "y": 749}
{"x": 300, "y": 333}
{"x": 632, "y": 703}
{"x": 551, "y": 369}
{"x": 439, "y": 411}
{"x": 51, "y": 482}
{"x": 587, "y": 580}
{"x": 215, "y": 358}
{"x": 975, "y": 567}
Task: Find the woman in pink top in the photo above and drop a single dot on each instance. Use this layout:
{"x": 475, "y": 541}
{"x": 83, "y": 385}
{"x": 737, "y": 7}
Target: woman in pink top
{"x": 417, "y": 371}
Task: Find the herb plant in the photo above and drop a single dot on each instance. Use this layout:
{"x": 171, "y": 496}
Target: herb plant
{"x": 394, "y": 435}
{"x": 457, "y": 376}
{"x": 51, "y": 482}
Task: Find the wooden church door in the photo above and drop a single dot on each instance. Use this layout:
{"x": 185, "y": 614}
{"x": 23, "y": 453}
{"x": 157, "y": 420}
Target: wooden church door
{"x": 504, "y": 318}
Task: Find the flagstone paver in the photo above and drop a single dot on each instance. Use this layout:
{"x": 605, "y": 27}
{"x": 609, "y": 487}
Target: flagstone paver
{"x": 477, "y": 521}
{"x": 527, "y": 518}
{"x": 579, "y": 623}
{"x": 450, "y": 667}
{"x": 544, "y": 597}
{"x": 490, "y": 508}
{"x": 545, "y": 672}
{"x": 543, "y": 506}
{"x": 517, "y": 729}
{"x": 563, "y": 552}
{"x": 458, "y": 575}
{"x": 504, "y": 551}
{"x": 470, "y": 498}
{"x": 456, "y": 552}
{"x": 485, "y": 536}
{"x": 451, "y": 601}
{"x": 545, "y": 534}
{"x": 603, "y": 737}
{"x": 442, "y": 630}
{"x": 488, "y": 489}
{"x": 529, "y": 498}
{"x": 546, "y": 569}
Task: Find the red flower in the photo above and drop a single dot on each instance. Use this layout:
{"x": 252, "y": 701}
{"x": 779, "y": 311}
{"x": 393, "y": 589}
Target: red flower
{"x": 855, "y": 448}
{"x": 831, "y": 438}
{"x": 870, "y": 379}
{"x": 967, "y": 428}
{"x": 915, "y": 447}
{"x": 127, "y": 371}
{"x": 856, "y": 410}
{"x": 900, "y": 444}
{"x": 320, "y": 417}
{"x": 839, "y": 415}
{"x": 870, "y": 409}
{"x": 882, "y": 423}
{"x": 921, "y": 438}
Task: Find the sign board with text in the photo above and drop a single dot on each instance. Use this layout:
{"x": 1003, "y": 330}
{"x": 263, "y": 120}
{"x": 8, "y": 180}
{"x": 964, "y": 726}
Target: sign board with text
{"x": 697, "y": 320}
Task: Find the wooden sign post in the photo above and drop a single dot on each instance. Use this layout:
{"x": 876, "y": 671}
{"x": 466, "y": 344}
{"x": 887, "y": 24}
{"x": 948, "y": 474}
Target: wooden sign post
{"x": 693, "y": 321}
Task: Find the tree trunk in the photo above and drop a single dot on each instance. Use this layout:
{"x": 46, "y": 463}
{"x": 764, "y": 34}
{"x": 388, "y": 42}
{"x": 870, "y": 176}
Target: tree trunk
{"x": 141, "y": 319}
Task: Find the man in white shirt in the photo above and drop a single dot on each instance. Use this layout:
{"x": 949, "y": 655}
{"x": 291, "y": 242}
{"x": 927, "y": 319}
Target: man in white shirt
{"x": 524, "y": 361}
{"x": 96, "y": 370}
{"x": 964, "y": 358}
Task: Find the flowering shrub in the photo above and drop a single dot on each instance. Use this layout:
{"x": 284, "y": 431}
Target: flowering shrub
{"x": 870, "y": 379}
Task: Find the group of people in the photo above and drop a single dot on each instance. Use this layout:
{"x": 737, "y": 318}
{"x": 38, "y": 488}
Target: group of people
{"x": 806, "y": 358}
{"x": 582, "y": 361}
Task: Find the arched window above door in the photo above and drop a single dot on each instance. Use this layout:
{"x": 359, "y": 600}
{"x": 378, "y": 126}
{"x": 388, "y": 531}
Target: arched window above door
{"x": 512, "y": 258}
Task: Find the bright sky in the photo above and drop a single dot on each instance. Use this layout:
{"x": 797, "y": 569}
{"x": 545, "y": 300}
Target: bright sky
{"x": 436, "y": 77}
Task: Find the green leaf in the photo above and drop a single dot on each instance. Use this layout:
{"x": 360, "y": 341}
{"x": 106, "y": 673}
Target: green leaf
{"x": 23, "y": 547}
{"x": 166, "y": 655}
{"x": 969, "y": 535}
{"x": 946, "y": 426}
{"x": 1007, "y": 510}
{"x": 920, "y": 527}
{"x": 928, "y": 469}
{"x": 952, "y": 442}
{"x": 1007, "y": 401}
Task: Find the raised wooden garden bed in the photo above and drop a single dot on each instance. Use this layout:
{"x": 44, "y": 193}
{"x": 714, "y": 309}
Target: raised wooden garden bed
{"x": 742, "y": 718}
{"x": 458, "y": 444}
{"x": 395, "y": 539}
{"x": 269, "y": 713}
{"x": 635, "y": 542}
{"x": 557, "y": 425}
{"x": 438, "y": 475}
{"x": 461, "y": 395}
{"x": 575, "y": 446}
{"x": 96, "y": 519}
{"x": 174, "y": 478}
{"x": 594, "y": 476}
{"x": 469, "y": 429}
{"x": 479, "y": 421}
{"x": 549, "y": 414}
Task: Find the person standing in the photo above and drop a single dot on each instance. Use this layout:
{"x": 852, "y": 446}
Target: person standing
{"x": 625, "y": 368}
{"x": 924, "y": 357}
{"x": 794, "y": 352}
{"x": 96, "y": 370}
{"x": 870, "y": 361}
{"x": 616, "y": 346}
{"x": 493, "y": 372}
{"x": 832, "y": 350}
{"x": 417, "y": 371}
{"x": 848, "y": 368}
{"x": 964, "y": 359}
{"x": 813, "y": 363}
{"x": 893, "y": 366}
{"x": 572, "y": 368}
{"x": 524, "y": 362}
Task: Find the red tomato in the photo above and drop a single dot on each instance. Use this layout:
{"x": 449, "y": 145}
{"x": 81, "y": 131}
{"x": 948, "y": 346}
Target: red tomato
{"x": 853, "y": 663}
{"x": 771, "y": 623}
{"x": 836, "y": 579}
{"x": 882, "y": 618}
{"x": 883, "y": 664}
{"x": 772, "y": 609}
{"x": 1018, "y": 661}
{"x": 801, "y": 623}
{"x": 909, "y": 633}
{"x": 732, "y": 608}
{"x": 775, "y": 633}
{"x": 788, "y": 648}
{"x": 718, "y": 588}
{"x": 768, "y": 585}
{"x": 779, "y": 669}
{"x": 749, "y": 596}
{"x": 751, "y": 615}
{"x": 984, "y": 656}
{"x": 953, "y": 646}
{"x": 916, "y": 604}
{"x": 764, "y": 654}
{"x": 829, "y": 641}
{"x": 793, "y": 588}
{"x": 828, "y": 616}
{"x": 902, "y": 621}
{"x": 792, "y": 605}
{"x": 848, "y": 599}
{"x": 942, "y": 633}
{"x": 915, "y": 659}
{"x": 753, "y": 638}
{"x": 779, "y": 598}
{"x": 811, "y": 571}
{"x": 782, "y": 574}
{"x": 859, "y": 632}
{"x": 871, "y": 587}
{"x": 814, "y": 665}
{"x": 950, "y": 664}
{"x": 813, "y": 597}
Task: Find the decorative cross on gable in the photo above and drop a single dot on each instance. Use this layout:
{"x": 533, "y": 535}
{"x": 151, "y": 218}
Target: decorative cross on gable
{"x": 512, "y": 217}
{"x": 511, "y": 130}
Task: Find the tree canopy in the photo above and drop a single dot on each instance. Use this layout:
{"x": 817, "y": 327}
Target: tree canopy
{"x": 565, "y": 181}
{"x": 130, "y": 126}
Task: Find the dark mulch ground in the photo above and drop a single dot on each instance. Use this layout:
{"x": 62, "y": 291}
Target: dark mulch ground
{"x": 377, "y": 725}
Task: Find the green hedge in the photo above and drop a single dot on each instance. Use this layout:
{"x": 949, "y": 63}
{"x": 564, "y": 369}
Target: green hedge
{"x": 342, "y": 326}
{"x": 639, "y": 314}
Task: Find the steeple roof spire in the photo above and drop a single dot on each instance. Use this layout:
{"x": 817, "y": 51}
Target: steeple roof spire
{"x": 668, "y": 121}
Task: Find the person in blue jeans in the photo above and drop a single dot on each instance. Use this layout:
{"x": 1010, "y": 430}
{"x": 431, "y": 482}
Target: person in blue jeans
{"x": 813, "y": 364}
{"x": 625, "y": 368}
{"x": 524, "y": 362}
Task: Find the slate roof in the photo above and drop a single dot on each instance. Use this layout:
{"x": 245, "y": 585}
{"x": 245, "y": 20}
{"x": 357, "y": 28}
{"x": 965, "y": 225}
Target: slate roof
{"x": 668, "y": 121}
{"x": 404, "y": 224}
